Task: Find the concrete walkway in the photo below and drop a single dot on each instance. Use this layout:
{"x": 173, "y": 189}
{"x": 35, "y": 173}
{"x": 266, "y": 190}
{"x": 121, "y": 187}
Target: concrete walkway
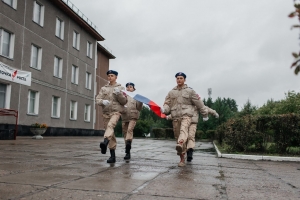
{"x": 74, "y": 168}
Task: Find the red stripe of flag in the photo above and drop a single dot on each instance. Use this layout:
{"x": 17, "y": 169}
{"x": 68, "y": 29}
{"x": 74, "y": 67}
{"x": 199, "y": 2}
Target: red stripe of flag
{"x": 156, "y": 109}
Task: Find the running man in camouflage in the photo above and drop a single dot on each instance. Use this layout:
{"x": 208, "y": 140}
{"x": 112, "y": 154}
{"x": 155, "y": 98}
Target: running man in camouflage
{"x": 112, "y": 101}
{"x": 180, "y": 102}
{"x": 129, "y": 118}
{"x": 192, "y": 132}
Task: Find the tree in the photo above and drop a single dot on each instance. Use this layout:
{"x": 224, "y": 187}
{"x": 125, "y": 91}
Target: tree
{"x": 291, "y": 104}
{"x": 248, "y": 109}
{"x": 296, "y": 13}
{"x": 223, "y": 109}
{"x": 226, "y": 108}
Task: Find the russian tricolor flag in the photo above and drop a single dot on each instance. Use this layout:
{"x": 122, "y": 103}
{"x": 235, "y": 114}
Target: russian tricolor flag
{"x": 153, "y": 106}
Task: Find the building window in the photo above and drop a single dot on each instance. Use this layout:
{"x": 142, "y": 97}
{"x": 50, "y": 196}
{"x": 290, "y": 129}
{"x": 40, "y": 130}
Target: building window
{"x": 55, "y": 107}
{"x": 88, "y": 80}
{"x": 2, "y": 95}
{"x": 38, "y": 13}
{"x": 36, "y": 57}
{"x": 74, "y": 78}
{"x": 11, "y": 3}
{"x": 58, "y": 63}
{"x": 89, "y": 52}
{"x": 73, "y": 110}
{"x": 5, "y": 91}
{"x": 59, "y": 32}
{"x": 87, "y": 112}
{"x": 6, "y": 43}
{"x": 33, "y": 102}
{"x": 76, "y": 40}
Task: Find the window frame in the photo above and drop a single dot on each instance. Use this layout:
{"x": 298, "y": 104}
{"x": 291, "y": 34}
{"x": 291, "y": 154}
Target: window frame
{"x": 58, "y": 106}
{"x": 76, "y": 40}
{"x": 60, "y": 66}
{"x": 75, "y": 110}
{"x": 7, "y": 95}
{"x": 36, "y": 103}
{"x": 87, "y": 115}
{"x": 76, "y": 75}
{"x": 10, "y": 45}
{"x": 89, "y": 51}
{"x": 38, "y": 59}
{"x": 60, "y": 35}
{"x": 13, "y": 3}
{"x": 88, "y": 80}
{"x": 39, "y": 21}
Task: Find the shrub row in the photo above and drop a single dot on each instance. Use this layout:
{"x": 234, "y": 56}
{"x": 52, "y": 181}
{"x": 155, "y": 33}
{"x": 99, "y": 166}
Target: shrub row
{"x": 250, "y": 133}
{"x": 168, "y": 133}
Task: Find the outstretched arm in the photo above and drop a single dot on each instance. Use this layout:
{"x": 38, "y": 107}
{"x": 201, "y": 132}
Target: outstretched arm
{"x": 199, "y": 104}
{"x": 212, "y": 112}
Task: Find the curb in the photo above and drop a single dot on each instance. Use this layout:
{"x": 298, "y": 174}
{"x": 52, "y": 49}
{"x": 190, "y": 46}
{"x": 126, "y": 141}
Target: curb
{"x": 255, "y": 157}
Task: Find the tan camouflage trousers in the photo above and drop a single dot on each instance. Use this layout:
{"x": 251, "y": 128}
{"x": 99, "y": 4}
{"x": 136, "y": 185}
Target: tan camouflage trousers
{"x": 110, "y": 121}
{"x": 191, "y": 137}
{"x": 181, "y": 131}
{"x": 127, "y": 129}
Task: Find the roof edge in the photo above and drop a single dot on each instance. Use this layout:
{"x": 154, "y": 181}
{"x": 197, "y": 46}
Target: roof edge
{"x": 105, "y": 51}
{"x": 68, "y": 11}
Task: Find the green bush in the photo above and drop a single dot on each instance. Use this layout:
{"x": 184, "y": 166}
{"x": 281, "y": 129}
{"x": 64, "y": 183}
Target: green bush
{"x": 198, "y": 134}
{"x": 253, "y": 133}
{"x": 169, "y": 133}
{"x": 159, "y": 132}
{"x": 209, "y": 134}
{"x": 141, "y": 127}
{"x": 271, "y": 149}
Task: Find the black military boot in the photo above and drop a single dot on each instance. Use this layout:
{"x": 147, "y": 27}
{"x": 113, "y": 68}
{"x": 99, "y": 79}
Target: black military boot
{"x": 103, "y": 145}
{"x": 189, "y": 155}
{"x": 128, "y": 146}
{"x": 112, "y": 158}
{"x": 127, "y": 150}
{"x": 127, "y": 156}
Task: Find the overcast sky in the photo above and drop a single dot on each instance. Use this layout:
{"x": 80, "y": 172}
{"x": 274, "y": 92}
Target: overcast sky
{"x": 240, "y": 49}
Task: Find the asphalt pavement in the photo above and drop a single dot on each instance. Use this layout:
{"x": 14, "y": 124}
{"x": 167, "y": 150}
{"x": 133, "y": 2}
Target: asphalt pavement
{"x": 74, "y": 168}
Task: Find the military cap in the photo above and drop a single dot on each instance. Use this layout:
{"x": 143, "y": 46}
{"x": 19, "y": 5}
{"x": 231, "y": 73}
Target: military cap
{"x": 112, "y": 72}
{"x": 180, "y": 74}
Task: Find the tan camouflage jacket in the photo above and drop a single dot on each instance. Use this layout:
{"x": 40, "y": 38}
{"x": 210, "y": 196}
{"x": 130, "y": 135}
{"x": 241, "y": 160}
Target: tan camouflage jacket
{"x": 116, "y": 102}
{"x": 132, "y": 109}
{"x": 181, "y": 102}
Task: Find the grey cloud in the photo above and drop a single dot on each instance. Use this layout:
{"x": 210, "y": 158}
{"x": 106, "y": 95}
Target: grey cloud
{"x": 241, "y": 49}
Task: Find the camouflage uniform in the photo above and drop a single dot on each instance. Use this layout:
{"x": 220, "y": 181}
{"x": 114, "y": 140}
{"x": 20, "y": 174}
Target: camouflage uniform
{"x": 112, "y": 111}
{"x": 193, "y": 127}
{"x": 129, "y": 117}
{"x": 181, "y": 103}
